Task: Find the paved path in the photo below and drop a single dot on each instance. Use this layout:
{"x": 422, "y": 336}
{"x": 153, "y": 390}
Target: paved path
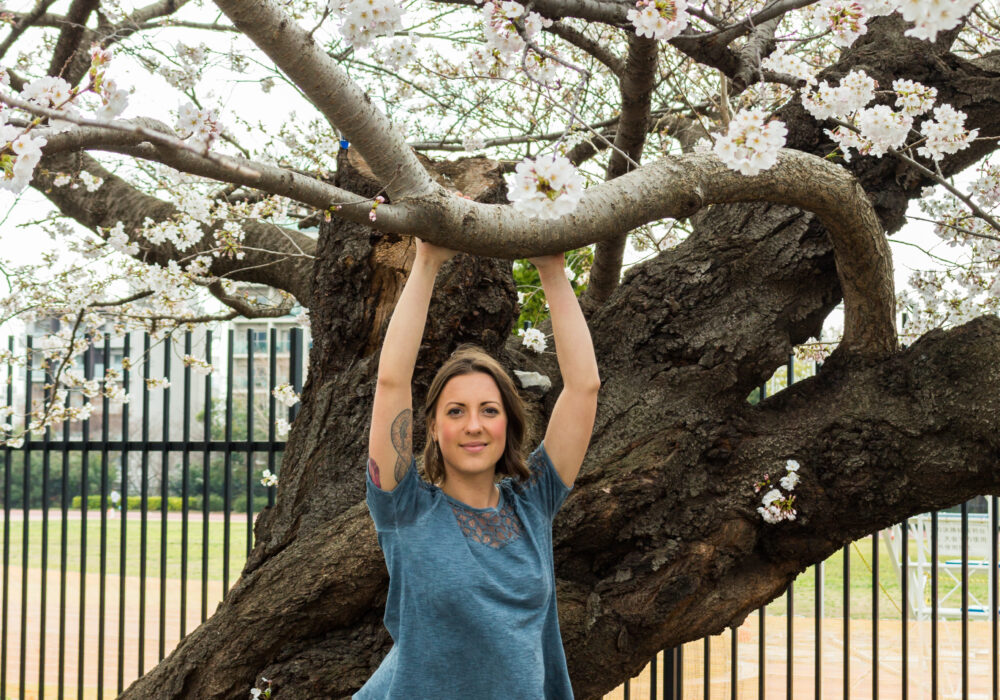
{"x": 803, "y": 655}
{"x": 91, "y": 631}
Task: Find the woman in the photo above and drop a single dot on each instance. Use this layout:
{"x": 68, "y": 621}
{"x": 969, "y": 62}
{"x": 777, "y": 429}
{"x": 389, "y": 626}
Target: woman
{"x": 472, "y": 604}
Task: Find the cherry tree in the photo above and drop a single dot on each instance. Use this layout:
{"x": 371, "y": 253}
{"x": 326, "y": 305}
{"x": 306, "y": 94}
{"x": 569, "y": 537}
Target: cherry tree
{"x": 762, "y": 154}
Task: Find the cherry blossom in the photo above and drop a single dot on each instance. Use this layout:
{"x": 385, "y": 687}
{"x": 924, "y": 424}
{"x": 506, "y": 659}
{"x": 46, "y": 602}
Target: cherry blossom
{"x": 285, "y": 394}
{"x": 945, "y": 133}
{"x": 533, "y": 338}
{"x": 547, "y": 187}
{"x": 751, "y": 145}
{"x": 363, "y": 20}
{"x": 659, "y": 19}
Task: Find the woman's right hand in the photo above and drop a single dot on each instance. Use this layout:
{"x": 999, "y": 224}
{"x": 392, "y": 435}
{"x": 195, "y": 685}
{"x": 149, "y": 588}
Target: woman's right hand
{"x": 434, "y": 253}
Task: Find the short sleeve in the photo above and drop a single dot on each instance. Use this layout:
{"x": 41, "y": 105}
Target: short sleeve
{"x": 545, "y": 487}
{"x": 391, "y": 509}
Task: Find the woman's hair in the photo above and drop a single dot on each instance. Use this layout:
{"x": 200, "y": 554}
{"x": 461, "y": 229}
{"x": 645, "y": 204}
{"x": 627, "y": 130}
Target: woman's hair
{"x": 469, "y": 359}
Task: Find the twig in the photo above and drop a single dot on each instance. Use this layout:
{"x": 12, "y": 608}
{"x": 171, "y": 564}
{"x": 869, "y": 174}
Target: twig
{"x": 155, "y": 137}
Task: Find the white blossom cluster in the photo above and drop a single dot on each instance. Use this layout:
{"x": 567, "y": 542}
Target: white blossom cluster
{"x": 912, "y": 97}
{"x": 659, "y": 19}
{"x": 775, "y": 505}
{"x": 845, "y": 19}
{"x": 789, "y": 64}
{"x": 473, "y": 142}
{"x": 957, "y": 294}
{"x": 488, "y": 62}
{"x": 397, "y": 52}
{"x": 268, "y": 479}
{"x": 533, "y": 338}
{"x": 18, "y": 169}
{"x": 363, "y": 20}
{"x": 285, "y": 394}
{"x": 856, "y": 90}
{"x": 750, "y": 145}
{"x": 200, "y": 125}
{"x": 929, "y": 18}
{"x": 945, "y": 133}
{"x": 880, "y": 128}
{"x": 198, "y": 366}
{"x": 848, "y": 19}
{"x": 547, "y": 187}
{"x": 499, "y": 26}
{"x": 281, "y": 428}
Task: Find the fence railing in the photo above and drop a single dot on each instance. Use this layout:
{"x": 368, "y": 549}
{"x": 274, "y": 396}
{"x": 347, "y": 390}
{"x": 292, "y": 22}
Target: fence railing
{"x": 921, "y": 623}
{"x": 221, "y": 449}
{"x": 931, "y": 651}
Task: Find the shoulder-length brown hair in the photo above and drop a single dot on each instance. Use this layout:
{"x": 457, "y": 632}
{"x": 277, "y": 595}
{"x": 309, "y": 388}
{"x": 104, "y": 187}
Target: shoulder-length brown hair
{"x": 469, "y": 359}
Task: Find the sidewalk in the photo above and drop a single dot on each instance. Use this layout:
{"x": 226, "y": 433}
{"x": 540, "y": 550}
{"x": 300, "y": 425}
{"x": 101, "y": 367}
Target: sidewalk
{"x": 890, "y": 661}
{"x": 91, "y": 632}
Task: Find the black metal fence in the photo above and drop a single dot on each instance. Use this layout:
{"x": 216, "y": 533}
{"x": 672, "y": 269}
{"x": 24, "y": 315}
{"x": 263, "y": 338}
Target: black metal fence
{"x": 204, "y": 468}
{"x": 221, "y": 448}
{"x": 809, "y": 675}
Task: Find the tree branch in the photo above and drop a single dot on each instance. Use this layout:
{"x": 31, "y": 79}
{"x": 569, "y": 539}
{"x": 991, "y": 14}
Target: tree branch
{"x": 24, "y": 21}
{"x": 274, "y": 254}
{"x": 344, "y": 104}
{"x": 637, "y": 83}
{"x": 71, "y": 34}
{"x": 578, "y": 39}
{"x": 243, "y": 307}
{"x": 131, "y": 139}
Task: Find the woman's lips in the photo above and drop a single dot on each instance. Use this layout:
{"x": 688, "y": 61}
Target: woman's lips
{"x": 474, "y": 448}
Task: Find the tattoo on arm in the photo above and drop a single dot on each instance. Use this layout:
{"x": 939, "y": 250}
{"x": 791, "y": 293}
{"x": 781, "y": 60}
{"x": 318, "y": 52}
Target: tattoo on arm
{"x": 402, "y": 440}
{"x": 373, "y": 472}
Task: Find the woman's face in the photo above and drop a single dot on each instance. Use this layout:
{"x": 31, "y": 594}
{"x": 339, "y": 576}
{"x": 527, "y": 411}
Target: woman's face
{"x": 470, "y": 424}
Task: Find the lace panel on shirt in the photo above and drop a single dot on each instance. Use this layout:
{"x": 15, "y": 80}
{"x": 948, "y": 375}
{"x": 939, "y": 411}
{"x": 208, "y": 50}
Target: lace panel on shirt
{"x": 493, "y": 529}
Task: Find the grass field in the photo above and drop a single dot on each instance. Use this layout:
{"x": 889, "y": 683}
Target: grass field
{"x": 861, "y": 586}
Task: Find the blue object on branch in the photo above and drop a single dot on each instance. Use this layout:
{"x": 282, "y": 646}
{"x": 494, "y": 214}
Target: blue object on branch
{"x": 344, "y": 143}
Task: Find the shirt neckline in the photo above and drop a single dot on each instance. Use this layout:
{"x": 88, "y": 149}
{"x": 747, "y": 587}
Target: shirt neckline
{"x": 466, "y": 506}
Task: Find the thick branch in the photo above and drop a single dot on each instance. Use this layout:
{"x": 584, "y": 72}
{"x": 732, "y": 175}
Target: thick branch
{"x": 231, "y": 169}
{"x": 637, "y": 83}
{"x": 335, "y": 95}
{"x": 679, "y": 187}
{"x": 275, "y": 256}
{"x": 71, "y": 34}
{"x": 244, "y": 308}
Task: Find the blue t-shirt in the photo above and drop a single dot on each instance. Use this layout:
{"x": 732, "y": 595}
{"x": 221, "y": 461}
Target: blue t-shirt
{"x": 472, "y": 598}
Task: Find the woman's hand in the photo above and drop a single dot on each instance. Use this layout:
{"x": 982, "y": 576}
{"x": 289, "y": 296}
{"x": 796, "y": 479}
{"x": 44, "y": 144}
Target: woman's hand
{"x": 555, "y": 261}
{"x": 434, "y": 253}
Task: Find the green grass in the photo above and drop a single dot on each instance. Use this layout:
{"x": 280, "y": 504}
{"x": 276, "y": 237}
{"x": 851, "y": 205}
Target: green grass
{"x": 133, "y": 546}
{"x": 890, "y": 591}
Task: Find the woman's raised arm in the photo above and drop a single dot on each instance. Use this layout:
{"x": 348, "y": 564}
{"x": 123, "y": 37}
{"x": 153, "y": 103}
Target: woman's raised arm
{"x": 390, "y": 438}
{"x": 572, "y": 422}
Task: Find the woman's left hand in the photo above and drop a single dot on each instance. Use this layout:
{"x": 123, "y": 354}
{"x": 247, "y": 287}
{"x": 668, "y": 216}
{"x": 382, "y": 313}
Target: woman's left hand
{"x": 557, "y": 260}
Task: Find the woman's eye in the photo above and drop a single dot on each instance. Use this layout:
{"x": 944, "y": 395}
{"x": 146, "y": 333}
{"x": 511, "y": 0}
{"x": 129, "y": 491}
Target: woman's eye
{"x": 493, "y": 411}
{"x": 452, "y": 410}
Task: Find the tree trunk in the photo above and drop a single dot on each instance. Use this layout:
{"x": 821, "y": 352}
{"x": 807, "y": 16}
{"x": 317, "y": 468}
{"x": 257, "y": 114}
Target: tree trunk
{"x": 659, "y": 542}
